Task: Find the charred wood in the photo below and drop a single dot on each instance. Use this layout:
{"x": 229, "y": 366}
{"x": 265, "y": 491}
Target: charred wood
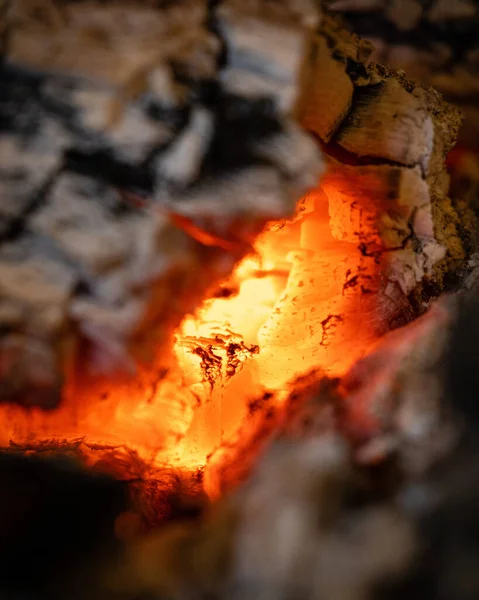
{"x": 155, "y": 177}
{"x": 386, "y": 141}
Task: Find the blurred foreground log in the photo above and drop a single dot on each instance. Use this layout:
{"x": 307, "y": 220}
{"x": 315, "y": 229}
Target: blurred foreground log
{"x": 293, "y": 528}
{"x": 137, "y": 166}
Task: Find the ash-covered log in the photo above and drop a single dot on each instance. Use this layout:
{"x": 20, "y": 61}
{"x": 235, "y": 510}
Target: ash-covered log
{"x": 386, "y": 139}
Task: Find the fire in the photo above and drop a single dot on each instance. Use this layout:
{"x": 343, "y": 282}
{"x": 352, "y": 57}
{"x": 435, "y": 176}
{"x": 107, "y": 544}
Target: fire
{"x": 294, "y": 305}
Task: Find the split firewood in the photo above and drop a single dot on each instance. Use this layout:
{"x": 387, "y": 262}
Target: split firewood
{"x": 435, "y": 43}
{"x": 386, "y": 140}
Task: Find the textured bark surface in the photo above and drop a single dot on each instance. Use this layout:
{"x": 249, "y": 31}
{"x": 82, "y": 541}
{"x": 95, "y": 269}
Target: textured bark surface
{"x": 386, "y": 139}
{"x": 142, "y": 148}
{"x": 435, "y": 43}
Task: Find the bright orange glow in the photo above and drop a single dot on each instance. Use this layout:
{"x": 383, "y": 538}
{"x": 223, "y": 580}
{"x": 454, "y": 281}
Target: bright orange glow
{"x": 299, "y": 302}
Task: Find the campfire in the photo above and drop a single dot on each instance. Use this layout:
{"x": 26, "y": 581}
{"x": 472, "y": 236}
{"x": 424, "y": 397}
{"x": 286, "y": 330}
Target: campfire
{"x": 230, "y": 277}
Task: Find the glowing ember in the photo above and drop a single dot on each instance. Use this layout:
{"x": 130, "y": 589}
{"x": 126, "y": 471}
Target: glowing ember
{"x": 294, "y": 305}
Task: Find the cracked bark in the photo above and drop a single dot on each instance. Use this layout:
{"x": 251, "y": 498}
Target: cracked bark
{"x": 386, "y": 140}
{"x": 435, "y": 43}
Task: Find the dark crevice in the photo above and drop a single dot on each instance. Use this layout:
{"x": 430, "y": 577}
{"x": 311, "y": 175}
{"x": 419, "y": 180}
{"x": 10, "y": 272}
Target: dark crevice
{"x": 19, "y": 112}
{"x": 19, "y": 223}
{"x": 213, "y": 24}
{"x": 102, "y": 165}
{"x": 334, "y": 150}
{"x": 52, "y": 505}
{"x": 356, "y": 70}
{"x": 240, "y": 125}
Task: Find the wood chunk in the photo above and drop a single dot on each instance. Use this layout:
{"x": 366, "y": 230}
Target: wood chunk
{"x": 389, "y": 123}
{"x": 266, "y": 48}
{"x": 38, "y": 281}
{"x": 81, "y": 227}
{"x": 387, "y": 211}
{"x": 118, "y": 40}
{"x": 27, "y": 165}
{"x": 386, "y": 179}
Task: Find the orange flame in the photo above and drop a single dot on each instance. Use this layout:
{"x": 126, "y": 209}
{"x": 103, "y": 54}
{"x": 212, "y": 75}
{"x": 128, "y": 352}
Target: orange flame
{"x": 295, "y": 304}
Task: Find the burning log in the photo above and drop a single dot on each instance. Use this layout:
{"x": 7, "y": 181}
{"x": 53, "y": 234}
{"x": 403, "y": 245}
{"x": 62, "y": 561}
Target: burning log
{"x": 435, "y": 44}
{"x": 386, "y": 139}
{"x": 104, "y": 108}
{"x": 141, "y": 193}
{"x": 161, "y": 163}
{"x": 158, "y": 189}
{"x": 147, "y": 168}
{"x": 391, "y": 403}
{"x": 293, "y": 527}
{"x": 295, "y": 524}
